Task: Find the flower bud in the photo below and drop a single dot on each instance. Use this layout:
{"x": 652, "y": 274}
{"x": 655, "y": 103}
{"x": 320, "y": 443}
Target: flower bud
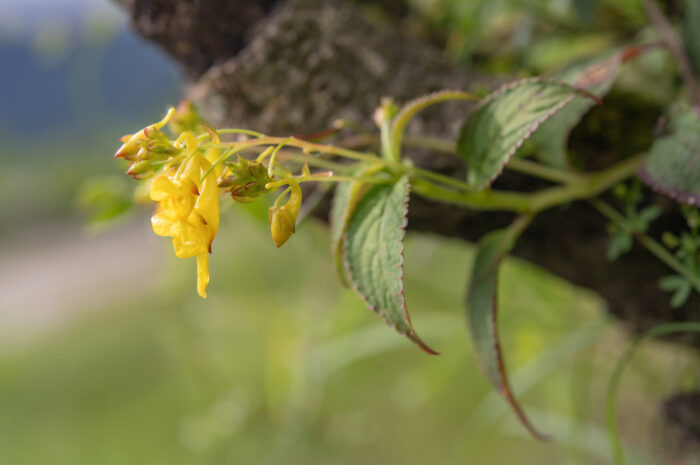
{"x": 186, "y": 118}
{"x": 141, "y": 169}
{"x": 132, "y": 144}
{"x": 247, "y": 181}
{"x": 385, "y": 112}
{"x": 283, "y": 219}
{"x": 282, "y": 224}
{"x": 130, "y": 147}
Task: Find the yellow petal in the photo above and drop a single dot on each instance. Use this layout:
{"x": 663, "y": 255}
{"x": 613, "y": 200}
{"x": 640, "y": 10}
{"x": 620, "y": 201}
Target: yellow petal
{"x": 162, "y": 187}
{"x": 193, "y": 169}
{"x": 208, "y": 201}
{"x": 163, "y": 225}
{"x": 202, "y": 274}
{"x": 191, "y": 240}
{"x": 211, "y": 156}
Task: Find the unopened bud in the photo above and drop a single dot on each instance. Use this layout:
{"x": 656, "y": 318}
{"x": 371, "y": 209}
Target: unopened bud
{"x": 141, "y": 169}
{"x": 282, "y": 224}
{"x": 247, "y": 181}
{"x": 186, "y": 118}
{"x": 283, "y": 219}
{"x": 130, "y": 148}
{"x": 385, "y": 112}
{"x": 132, "y": 144}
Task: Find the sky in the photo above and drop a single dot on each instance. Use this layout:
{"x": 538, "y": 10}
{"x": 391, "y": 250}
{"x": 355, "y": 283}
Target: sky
{"x": 19, "y": 18}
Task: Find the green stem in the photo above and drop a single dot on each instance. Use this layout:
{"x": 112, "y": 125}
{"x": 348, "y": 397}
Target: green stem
{"x": 588, "y": 186}
{"x": 334, "y": 178}
{"x": 483, "y": 200}
{"x": 327, "y": 178}
{"x": 650, "y": 244}
{"x": 240, "y": 131}
{"x": 615, "y": 442}
{"x": 410, "y": 110}
{"x": 315, "y": 161}
{"x": 541, "y": 171}
{"x": 516, "y": 164}
{"x": 441, "y": 178}
{"x": 273, "y": 157}
{"x": 448, "y": 189}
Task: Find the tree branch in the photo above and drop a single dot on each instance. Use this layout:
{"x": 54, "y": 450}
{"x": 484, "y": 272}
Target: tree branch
{"x": 294, "y": 66}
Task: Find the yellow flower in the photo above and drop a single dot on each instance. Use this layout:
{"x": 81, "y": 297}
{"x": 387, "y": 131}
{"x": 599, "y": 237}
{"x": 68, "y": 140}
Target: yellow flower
{"x": 188, "y": 211}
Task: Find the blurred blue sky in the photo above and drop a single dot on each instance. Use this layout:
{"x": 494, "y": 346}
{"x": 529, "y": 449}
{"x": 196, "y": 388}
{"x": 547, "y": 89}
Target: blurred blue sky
{"x": 72, "y": 67}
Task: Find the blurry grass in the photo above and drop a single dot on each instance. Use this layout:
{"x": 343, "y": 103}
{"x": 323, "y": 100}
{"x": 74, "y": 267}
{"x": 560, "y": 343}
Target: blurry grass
{"x": 282, "y": 366}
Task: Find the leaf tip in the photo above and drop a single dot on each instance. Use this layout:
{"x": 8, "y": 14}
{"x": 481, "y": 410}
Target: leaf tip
{"x": 419, "y": 342}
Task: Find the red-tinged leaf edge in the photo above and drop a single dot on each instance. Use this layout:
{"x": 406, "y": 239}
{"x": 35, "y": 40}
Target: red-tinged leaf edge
{"x": 519, "y": 82}
{"x": 503, "y": 384}
{"x": 538, "y": 123}
{"x": 677, "y": 195}
{"x": 411, "y": 335}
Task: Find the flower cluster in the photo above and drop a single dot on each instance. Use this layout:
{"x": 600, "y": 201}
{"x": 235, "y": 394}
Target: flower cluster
{"x": 186, "y": 178}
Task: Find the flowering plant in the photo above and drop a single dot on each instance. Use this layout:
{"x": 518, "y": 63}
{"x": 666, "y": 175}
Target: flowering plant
{"x": 189, "y": 170}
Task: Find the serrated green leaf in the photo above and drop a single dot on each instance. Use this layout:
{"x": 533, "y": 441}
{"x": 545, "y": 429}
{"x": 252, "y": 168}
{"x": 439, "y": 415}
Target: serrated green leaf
{"x": 344, "y": 201}
{"x": 482, "y": 315}
{"x": 373, "y": 254}
{"x": 673, "y": 164}
{"x": 504, "y": 120}
{"x": 596, "y": 76}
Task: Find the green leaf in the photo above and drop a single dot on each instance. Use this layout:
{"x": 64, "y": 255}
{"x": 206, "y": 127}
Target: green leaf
{"x": 620, "y": 244}
{"x": 504, "y": 120}
{"x": 681, "y": 295}
{"x": 671, "y": 282}
{"x": 344, "y": 201}
{"x": 596, "y": 76}
{"x": 373, "y": 253}
{"x": 673, "y": 165}
{"x": 482, "y": 314}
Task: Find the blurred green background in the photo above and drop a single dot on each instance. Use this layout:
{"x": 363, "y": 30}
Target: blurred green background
{"x": 107, "y": 355}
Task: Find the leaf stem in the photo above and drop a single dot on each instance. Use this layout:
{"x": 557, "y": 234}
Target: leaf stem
{"x": 541, "y": 171}
{"x": 234, "y": 131}
{"x": 588, "y": 186}
{"x": 516, "y": 164}
{"x": 482, "y": 200}
{"x": 398, "y": 126}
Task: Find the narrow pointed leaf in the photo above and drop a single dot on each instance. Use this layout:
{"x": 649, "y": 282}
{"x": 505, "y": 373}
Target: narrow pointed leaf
{"x": 673, "y": 164}
{"x": 373, "y": 253}
{"x": 482, "y": 315}
{"x": 504, "y": 120}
